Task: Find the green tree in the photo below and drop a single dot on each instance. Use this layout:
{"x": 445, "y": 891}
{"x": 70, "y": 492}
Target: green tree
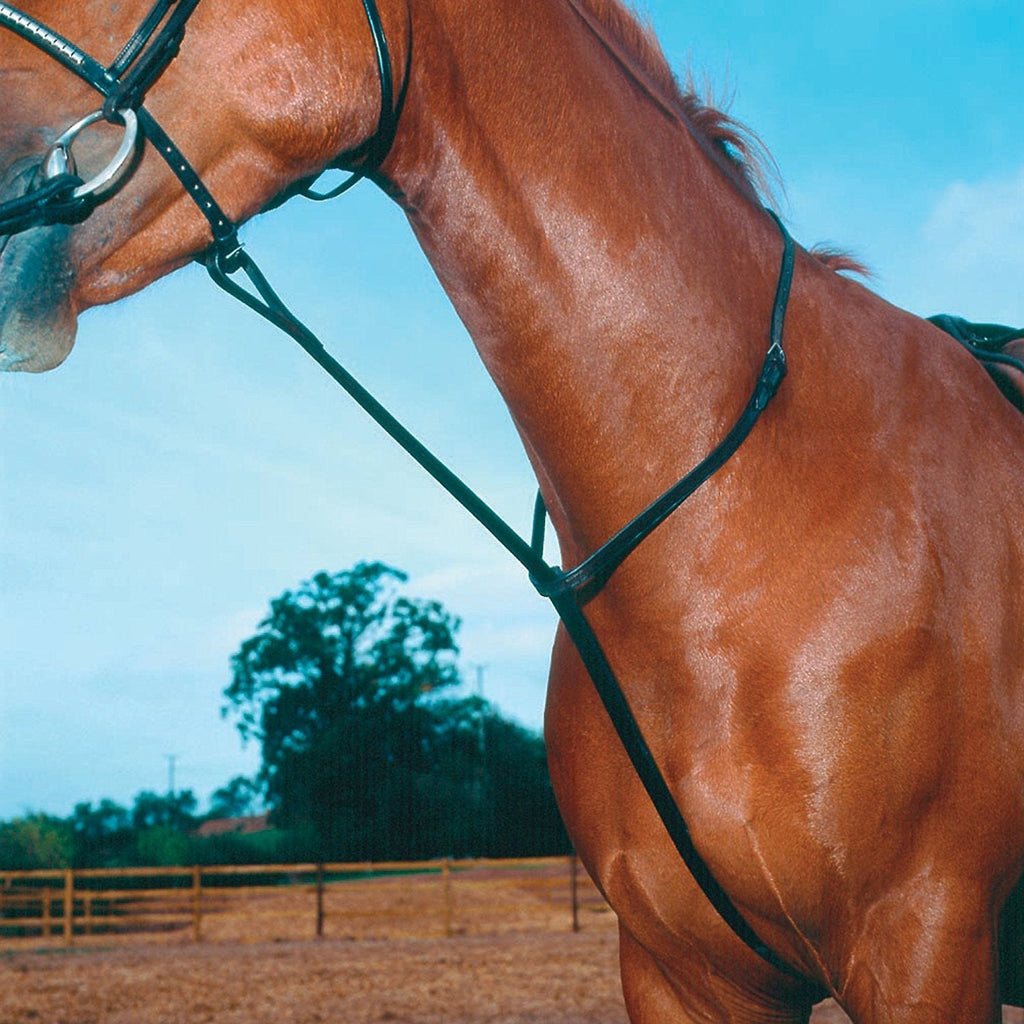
{"x": 36, "y": 841}
{"x": 94, "y": 824}
{"x": 520, "y": 812}
{"x": 235, "y": 799}
{"x": 341, "y": 687}
{"x": 174, "y": 811}
{"x": 349, "y": 688}
{"x": 102, "y": 835}
{"x": 162, "y": 846}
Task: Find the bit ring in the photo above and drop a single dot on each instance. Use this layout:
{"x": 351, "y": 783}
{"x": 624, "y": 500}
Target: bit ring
{"x": 58, "y": 159}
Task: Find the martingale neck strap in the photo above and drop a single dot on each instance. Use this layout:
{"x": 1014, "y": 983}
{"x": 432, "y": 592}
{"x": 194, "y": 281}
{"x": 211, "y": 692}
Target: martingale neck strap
{"x": 587, "y": 578}
{"x": 568, "y": 591}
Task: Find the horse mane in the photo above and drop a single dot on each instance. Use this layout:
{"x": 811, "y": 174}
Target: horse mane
{"x": 742, "y": 155}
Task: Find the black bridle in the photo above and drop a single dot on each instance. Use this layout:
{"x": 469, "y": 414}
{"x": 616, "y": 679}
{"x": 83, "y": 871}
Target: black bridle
{"x": 57, "y": 195}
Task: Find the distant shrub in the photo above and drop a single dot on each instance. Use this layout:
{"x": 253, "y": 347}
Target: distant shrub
{"x": 37, "y": 841}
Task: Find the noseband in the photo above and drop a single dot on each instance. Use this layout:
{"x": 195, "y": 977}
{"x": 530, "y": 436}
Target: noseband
{"x": 59, "y": 196}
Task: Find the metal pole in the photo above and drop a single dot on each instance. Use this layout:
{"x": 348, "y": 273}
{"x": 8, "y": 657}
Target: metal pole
{"x": 171, "y": 759}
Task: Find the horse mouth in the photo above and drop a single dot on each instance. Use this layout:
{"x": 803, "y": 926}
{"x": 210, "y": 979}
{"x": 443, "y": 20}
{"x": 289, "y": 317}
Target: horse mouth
{"x": 36, "y": 328}
{"x": 37, "y": 323}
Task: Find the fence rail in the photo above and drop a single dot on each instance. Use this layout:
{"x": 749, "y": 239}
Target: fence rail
{"x": 262, "y": 901}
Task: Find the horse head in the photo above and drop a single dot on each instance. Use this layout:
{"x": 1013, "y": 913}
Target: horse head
{"x": 257, "y": 98}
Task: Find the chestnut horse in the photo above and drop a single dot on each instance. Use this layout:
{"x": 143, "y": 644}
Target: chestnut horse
{"x": 823, "y": 647}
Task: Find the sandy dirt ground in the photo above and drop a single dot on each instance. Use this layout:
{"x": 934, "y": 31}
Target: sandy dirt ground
{"x": 510, "y": 957}
{"x": 525, "y": 978}
{"x": 517, "y": 978}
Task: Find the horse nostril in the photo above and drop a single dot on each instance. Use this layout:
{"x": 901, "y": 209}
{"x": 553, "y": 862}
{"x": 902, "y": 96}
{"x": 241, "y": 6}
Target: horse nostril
{"x": 16, "y": 182}
{"x": 19, "y": 177}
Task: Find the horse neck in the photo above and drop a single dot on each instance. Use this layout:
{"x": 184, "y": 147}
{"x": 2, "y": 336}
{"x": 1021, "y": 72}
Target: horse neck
{"x": 615, "y": 281}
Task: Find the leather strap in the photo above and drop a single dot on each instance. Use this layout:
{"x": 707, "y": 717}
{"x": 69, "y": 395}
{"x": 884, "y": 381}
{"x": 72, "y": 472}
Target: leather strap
{"x": 985, "y": 342}
{"x": 140, "y": 37}
{"x": 587, "y": 578}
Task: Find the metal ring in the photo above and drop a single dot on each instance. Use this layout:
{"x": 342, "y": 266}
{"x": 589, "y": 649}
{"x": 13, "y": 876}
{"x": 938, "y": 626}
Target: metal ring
{"x": 59, "y": 160}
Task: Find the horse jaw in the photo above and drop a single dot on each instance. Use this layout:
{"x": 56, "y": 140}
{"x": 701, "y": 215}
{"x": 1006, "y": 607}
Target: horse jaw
{"x": 37, "y": 319}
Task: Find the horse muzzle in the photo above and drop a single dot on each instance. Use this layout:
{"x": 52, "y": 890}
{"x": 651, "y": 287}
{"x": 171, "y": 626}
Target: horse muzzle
{"x": 37, "y": 322}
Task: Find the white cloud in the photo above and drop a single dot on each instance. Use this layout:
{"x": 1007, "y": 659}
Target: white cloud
{"x": 972, "y": 251}
{"x": 972, "y": 222}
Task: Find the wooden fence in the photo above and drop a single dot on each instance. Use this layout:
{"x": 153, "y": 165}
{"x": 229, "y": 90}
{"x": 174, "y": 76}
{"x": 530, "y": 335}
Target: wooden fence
{"x": 283, "y": 901}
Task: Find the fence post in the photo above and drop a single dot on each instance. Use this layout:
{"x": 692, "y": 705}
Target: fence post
{"x": 47, "y": 905}
{"x": 574, "y": 866}
{"x": 446, "y": 877}
{"x": 69, "y": 906}
{"x": 320, "y": 900}
{"x": 197, "y": 903}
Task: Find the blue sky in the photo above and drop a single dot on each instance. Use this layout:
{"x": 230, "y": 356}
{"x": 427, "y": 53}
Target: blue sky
{"x": 186, "y": 464}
